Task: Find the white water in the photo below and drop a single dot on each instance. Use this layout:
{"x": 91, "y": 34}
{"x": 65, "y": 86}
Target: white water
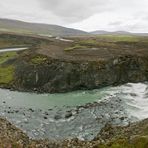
{"x": 136, "y": 97}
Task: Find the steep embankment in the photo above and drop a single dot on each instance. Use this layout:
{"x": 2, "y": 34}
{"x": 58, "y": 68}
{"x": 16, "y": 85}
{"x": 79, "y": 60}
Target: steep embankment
{"x": 51, "y": 65}
{"x": 50, "y": 75}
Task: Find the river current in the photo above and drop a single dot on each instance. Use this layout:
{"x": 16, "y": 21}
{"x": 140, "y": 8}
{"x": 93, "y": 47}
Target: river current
{"x": 80, "y": 114}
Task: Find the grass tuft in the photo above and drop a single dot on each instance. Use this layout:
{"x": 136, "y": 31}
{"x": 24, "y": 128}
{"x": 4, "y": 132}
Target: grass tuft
{"x": 38, "y": 60}
{"x": 77, "y": 46}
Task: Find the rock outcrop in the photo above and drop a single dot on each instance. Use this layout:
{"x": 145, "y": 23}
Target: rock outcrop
{"x": 52, "y": 75}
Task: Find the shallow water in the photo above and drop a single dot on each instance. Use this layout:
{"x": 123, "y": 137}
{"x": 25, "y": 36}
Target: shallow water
{"x": 68, "y": 115}
{"x": 45, "y": 101}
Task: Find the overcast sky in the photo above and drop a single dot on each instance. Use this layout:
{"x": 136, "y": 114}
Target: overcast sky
{"x": 88, "y": 15}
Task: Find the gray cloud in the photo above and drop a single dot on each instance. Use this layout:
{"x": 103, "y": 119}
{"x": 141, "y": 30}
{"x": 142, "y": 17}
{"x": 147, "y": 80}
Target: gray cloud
{"x": 111, "y": 15}
{"x": 116, "y": 23}
{"x": 73, "y": 10}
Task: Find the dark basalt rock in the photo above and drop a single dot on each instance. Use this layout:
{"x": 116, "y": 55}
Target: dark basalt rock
{"x": 30, "y": 109}
{"x": 45, "y": 117}
{"x": 62, "y": 76}
{"x": 57, "y": 117}
{"x": 68, "y": 114}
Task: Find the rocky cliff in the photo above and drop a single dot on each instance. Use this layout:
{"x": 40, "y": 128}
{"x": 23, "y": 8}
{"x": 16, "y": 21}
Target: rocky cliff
{"x": 50, "y": 75}
{"x": 51, "y": 65}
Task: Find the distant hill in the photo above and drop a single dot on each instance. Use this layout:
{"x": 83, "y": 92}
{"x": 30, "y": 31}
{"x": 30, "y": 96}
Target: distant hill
{"x": 102, "y": 32}
{"x": 99, "y": 32}
{"x": 17, "y": 26}
{"x": 37, "y": 28}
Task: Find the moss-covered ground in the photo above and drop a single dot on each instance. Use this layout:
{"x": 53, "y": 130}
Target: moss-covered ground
{"x": 38, "y": 60}
{"x": 6, "y": 74}
{"x": 7, "y": 71}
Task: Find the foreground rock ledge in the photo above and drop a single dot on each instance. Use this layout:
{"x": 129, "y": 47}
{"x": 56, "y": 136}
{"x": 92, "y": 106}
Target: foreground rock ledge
{"x": 132, "y": 136}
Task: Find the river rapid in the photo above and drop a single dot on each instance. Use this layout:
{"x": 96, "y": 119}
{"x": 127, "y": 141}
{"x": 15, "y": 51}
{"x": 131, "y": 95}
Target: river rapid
{"x": 80, "y": 114}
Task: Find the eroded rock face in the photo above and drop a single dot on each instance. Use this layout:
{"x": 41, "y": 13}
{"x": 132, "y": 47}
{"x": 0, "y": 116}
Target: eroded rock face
{"x": 62, "y": 76}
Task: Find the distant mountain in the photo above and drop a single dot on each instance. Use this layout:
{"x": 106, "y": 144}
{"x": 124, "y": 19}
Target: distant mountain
{"x": 37, "y": 28}
{"x": 9, "y": 25}
{"x": 122, "y": 32}
{"x": 101, "y": 32}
